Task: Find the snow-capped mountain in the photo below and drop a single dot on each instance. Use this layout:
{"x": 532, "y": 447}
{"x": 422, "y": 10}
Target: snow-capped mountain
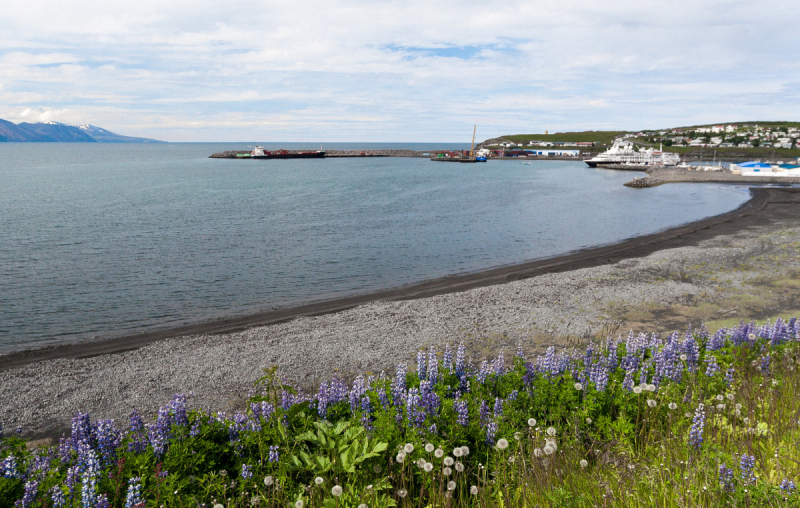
{"x": 63, "y": 133}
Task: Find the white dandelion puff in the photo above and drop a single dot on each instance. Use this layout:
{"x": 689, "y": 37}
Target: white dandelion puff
{"x": 473, "y": 490}
{"x": 408, "y": 448}
{"x": 502, "y": 444}
{"x": 429, "y": 448}
{"x": 531, "y": 422}
{"x": 584, "y": 463}
{"x": 448, "y": 461}
{"x": 439, "y": 453}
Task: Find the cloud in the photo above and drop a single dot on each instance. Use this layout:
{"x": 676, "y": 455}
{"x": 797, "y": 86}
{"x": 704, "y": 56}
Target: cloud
{"x": 378, "y": 71}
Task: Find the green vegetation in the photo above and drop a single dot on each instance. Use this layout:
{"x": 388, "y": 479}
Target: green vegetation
{"x": 694, "y": 420}
{"x": 605, "y": 137}
{"x": 753, "y": 153}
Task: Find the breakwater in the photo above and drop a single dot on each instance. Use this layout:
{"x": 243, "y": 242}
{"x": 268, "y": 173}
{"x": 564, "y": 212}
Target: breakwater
{"x": 661, "y": 175}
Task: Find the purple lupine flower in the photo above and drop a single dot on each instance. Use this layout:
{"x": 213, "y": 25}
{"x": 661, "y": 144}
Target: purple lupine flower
{"x": 177, "y": 408}
{"x": 520, "y": 352}
{"x": 416, "y": 416}
{"x": 764, "y": 366}
{"x": 137, "y": 422}
{"x": 712, "y": 368}
{"x": 726, "y": 478}
{"x": 358, "y": 391}
{"x": 483, "y": 372}
{"x": 399, "y": 386}
{"x": 792, "y": 328}
{"x": 513, "y": 395}
{"x": 499, "y": 365}
{"x": 246, "y": 472}
{"x": 433, "y": 366}
{"x": 133, "y": 498}
{"x": 383, "y": 398}
{"x": 366, "y": 413}
{"x": 421, "y": 365}
{"x": 108, "y": 439}
{"x": 491, "y": 431}
{"x": 746, "y": 465}
{"x": 102, "y": 501}
{"x": 696, "y": 432}
{"x": 429, "y": 399}
{"x": 484, "y": 413}
{"x": 717, "y": 342}
{"x": 57, "y": 496}
{"x": 461, "y": 409}
{"x": 530, "y": 373}
{"x": 72, "y": 478}
{"x": 447, "y": 359}
{"x": 432, "y": 429}
{"x": 691, "y": 351}
{"x": 89, "y": 480}
{"x": 729, "y": 376}
{"x": 460, "y": 354}
{"x": 274, "y": 454}
{"x": 9, "y": 467}
{"x": 31, "y": 486}
{"x": 498, "y": 407}
{"x": 627, "y": 383}
{"x": 788, "y": 485}
{"x": 195, "y": 430}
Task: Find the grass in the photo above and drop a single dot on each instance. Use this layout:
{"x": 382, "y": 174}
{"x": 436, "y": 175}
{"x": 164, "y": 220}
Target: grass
{"x": 698, "y": 419}
{"x": 604, "y": 137}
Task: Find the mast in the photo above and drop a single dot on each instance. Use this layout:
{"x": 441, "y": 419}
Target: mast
{"x": 472, "y": 148}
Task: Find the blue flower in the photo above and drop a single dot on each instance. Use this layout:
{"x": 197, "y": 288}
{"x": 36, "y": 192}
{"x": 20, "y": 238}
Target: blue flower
{"x": 696, "y": 432}
{"x": 133, "y": 498}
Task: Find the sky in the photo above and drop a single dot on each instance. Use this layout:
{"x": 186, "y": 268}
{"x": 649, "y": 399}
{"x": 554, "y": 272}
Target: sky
{"x": 402, "y": 71}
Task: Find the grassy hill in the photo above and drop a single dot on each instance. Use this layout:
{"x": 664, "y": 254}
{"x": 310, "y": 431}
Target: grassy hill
{"x": 605, "y": 137}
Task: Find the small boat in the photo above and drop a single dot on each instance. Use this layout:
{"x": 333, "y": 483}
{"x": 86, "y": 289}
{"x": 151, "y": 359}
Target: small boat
{"x": 260, "y": 153}
{"x": 480, "y": 158}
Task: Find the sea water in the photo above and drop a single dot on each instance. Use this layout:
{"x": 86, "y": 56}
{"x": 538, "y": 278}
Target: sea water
{"x": 104, "y": 240}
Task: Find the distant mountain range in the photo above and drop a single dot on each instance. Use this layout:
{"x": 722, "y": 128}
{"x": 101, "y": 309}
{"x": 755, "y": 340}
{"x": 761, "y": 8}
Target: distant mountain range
{"x": 54, "y": 132}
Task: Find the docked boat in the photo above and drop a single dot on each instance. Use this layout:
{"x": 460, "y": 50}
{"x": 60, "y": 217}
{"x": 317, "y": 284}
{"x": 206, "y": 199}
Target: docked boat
{"x": 623, "y": 152}
{"x": 259, "y": 153}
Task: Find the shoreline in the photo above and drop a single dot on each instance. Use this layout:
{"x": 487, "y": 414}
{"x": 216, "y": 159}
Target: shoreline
{"x": 741, "y": 265}
{"x": 752, "y": 212}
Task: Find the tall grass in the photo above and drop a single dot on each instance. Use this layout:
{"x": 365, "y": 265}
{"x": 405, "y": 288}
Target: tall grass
{"x": 696, "y": 420}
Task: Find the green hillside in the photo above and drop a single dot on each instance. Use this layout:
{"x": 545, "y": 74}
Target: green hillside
{"x": 605, "y": 137}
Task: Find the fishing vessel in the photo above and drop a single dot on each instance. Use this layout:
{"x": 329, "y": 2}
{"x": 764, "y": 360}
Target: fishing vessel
{"x": 624, "y": 152}
{"x": 259, "y": 153}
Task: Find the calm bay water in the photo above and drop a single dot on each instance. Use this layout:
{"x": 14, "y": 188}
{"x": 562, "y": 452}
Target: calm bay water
{"x": 110, "y": 240}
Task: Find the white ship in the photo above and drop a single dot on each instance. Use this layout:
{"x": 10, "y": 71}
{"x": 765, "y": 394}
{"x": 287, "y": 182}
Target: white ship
{"x": 623, "y": 152}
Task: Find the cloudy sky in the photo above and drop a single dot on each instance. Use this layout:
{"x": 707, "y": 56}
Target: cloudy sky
{"x": 396, "y": 71}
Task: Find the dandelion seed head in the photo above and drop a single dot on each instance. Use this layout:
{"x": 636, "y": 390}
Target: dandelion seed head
{"x": 448, "y": 461}
{"x": 451, "y": 485}
{"x": 548, "y": 450}
{"x": 720, "y": 397}
{"x": 578, "y": 386}
{"x": 268, "y": 481}
{"x": 473, "y": 490}
{"x": 447, "y": 471}
{"x": 400, "y": 457}
{"x": 583, "y": 463}
{"x": 319, "y": 481}
{"x": 531, "y": 422}
{"x": 517, "y": 436}
{"x": 551, "y": 431}
{"x": 672, "y": 406}
{"x": 684, "y": 357}
{"x": 402, "y": 493}
{"x": 408, "y": 448}
{"x": 651, "y": 403}
{"x": 651, "y": 388}
{"x": 465, "y": 450}
{"x": 588, "y": 421}
{"x": 502, "y": 444}
{"x": 637, "y": 390}
{"x": 537, "y": 452}
{"x": 457, "y": 452}
{"x": 459, "y": 467}
{"x": 429, "y": 447}
{"x": 298, "y": 504}
{"x": 428, "y": 467}
{"x": 336, "y": 491}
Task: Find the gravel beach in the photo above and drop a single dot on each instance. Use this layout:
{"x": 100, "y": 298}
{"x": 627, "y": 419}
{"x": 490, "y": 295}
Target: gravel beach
{"x": 743, "y": 266}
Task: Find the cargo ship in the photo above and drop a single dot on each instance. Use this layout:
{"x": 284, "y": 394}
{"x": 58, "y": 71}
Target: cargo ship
{"x": 260, "y": 153}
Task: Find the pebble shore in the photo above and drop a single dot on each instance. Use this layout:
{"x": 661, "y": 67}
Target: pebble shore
{"x": 551, "y": 309}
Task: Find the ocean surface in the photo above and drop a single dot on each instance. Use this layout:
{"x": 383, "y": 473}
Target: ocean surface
{"x": 104, "y": 240}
